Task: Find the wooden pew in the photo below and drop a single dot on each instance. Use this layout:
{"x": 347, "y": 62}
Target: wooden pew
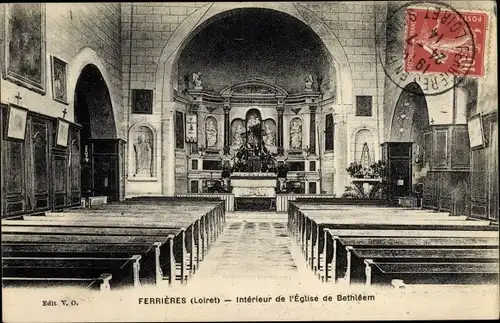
{"x": 296, "y": 216}
{"x": 405, "y": 239}
{"x": 357, "y": 255}
{"x": 155, "y": 259}
{"x": 125, "y": 271}
{"x": 60, "y": 224}
{"x": 197, "y": 232}
{"x": 169, "y": 242}
{"x": 211, "y": 220}
{"x": 150, "y": 253}
{"x": 193, "y": 240}
{"x": 431, "y": 272}
{"x": 328, "y": 250}
{"x": 313, "y": 230}
{"x": 87, "y": 283}
{"x": 208, "y": 232}
{"x": 310, "y": 219}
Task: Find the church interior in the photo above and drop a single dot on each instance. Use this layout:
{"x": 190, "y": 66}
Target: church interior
{"x": 193, "y": 124}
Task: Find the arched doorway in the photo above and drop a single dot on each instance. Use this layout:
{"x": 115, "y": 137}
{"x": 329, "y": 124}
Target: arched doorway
{"x": 100, "y": 153}
{"x": 410, "y": 119}
{"x": 169, "y": 81}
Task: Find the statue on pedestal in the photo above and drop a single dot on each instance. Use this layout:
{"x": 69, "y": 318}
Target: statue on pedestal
{"x": 253, "y": 129}
{"x": 237, "y": 134}
{"x": 143, "y": 157}
{"x": 308, "y": 82}
{"x": 296, "y": 134}
{"x": 197, "y": 81}
{"x": 269, "y": 138}
{"x": 211, "y": 132}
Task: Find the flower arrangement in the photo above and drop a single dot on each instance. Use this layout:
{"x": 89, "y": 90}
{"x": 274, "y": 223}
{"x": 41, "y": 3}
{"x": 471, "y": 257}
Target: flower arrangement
{"x": 375, "y": 170}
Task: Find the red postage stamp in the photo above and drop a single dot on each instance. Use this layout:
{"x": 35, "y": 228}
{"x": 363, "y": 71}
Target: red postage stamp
{"x": 443, "y": 41}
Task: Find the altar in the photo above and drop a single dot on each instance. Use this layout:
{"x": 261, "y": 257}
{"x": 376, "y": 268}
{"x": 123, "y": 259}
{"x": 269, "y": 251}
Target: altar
{"x": 253, "y": 184}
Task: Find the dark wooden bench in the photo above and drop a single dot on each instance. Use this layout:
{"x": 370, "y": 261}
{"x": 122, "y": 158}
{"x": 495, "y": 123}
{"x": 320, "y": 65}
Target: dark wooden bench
{"x": 185, "y": 226}
{"x": 337, "y": 255}
{"x": 164, "y": 238}
{"x": 198, "y": 235}
{"x": 357, "y": 255}
{"x": 431, "y": 272}
{"x": 313, "y": 232}
{"x": 125, "y": 271}
{"x": 195, "y": 238}
{"x": 102, "y": 282}
{"x": 211, "y": 225}
{"x": 156, "y": 251}
{"x": 328, "y": 249}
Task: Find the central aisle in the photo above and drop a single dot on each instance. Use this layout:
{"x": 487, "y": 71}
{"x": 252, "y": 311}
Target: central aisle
{"x": 255, "y": 246}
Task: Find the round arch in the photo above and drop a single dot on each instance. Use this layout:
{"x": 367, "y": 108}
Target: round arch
{"x": 167, "y": 62}
{"x": 87, "y": 56}
{"x": 214, "y": 11}
{"x": 410, "y": 114}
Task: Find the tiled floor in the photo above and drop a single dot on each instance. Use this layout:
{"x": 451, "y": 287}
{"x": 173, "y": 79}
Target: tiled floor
{"x": 254, "y": 246}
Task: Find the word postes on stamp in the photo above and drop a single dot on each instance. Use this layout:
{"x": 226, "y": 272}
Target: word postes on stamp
{"x": 433, "y": 45}
{"x": 437, "y": 42}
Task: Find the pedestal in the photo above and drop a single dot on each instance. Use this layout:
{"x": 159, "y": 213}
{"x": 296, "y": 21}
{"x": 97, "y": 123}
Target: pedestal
{"x": 365, "y": 185}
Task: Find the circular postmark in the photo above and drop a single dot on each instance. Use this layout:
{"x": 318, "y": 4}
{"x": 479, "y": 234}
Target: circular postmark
{"x": 429, "y": 43}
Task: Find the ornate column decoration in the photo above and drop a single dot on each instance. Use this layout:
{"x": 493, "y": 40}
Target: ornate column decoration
{"x": 194, "y": 108}
{"x": 227, "y": 109}
{"x": 312, "y": 129}
{"x": 280, "y": 108}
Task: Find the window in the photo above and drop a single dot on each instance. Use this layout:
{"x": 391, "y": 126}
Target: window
{"x": 312, "y": 187}
{"x": 312, "y": 166}
{"x": 329, "y": 132}
{"x": 194, "y": 186}
{"x": 363, "y": 106}
{"x": 194, "y": 164}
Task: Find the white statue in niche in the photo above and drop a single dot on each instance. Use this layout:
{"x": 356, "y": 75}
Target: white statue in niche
{"x": 269, "y": 137}
{"x": 142, "y": 157}
{"x": 308, "y": 82}
{"x": 211, "y": 132}
{"x": 197, "y": 80}
{"x": 296, "y": 134}
{"x": 238, "y": 134}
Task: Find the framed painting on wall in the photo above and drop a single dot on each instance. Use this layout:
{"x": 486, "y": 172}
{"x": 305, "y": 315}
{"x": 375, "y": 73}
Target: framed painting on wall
{"x": 142, "y": 101}
{"x": 16, "y": 122}
{"x": 59, "y": 77}
{"x": 62, "y": 132}
{"x": 476, "y": 132}
{"x": 24, "y": 52}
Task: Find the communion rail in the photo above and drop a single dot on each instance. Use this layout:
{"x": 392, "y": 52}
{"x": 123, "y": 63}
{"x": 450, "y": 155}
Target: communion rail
{"x": 226, "y": 197}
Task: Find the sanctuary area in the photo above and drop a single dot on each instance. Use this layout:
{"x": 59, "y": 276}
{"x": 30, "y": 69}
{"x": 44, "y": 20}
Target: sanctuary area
{"x": 351, "y": 142}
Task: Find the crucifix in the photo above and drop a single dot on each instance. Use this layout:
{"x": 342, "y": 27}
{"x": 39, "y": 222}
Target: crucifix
{"x": 18, "y": 97}
{"x": 64, "y": 113}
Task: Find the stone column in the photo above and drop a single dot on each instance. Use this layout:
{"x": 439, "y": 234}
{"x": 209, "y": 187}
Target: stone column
{"x": 227, "y": 109}
{"x": 168, "y": 149}
{"x": 312, "y": 129}
{"x": 280, "y": 108}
